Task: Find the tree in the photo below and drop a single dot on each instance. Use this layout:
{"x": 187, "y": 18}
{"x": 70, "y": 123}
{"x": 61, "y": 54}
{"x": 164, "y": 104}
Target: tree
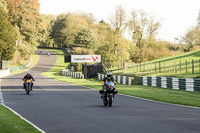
{"x": 7, "y": 37}
{"x": 84, "y": 38}
{"x": 58, "y": 27}
{"x": 191, "y": 38}
{"x": 119, "y": 21}
{"x": 144, "y": 30}
{"x": 3, "y": 4}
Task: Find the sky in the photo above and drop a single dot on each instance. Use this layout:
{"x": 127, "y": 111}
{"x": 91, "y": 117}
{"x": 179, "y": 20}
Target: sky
{"x": 176, "y": 16}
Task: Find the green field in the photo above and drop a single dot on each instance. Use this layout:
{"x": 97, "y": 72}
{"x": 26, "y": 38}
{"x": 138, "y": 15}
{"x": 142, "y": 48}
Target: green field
{"x": 153, "y": 93}
{"x": 160, "y": 67}
{"x": 10, "y": 123}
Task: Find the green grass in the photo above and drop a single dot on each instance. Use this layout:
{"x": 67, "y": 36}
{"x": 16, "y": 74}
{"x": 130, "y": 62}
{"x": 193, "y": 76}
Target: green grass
{"x": 153, "y": 93}
{"x": 10, "y": 123}
{"x": 194, "y": 55}
{"x": 35, "y": 58}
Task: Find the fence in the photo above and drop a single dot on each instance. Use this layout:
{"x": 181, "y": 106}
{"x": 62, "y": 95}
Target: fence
{"x": 186, "y": 84}
{"x": 119, "y": 79}
{"x": 67, "y": 72}
{"x": 22, "y": 67}
{"x": 190, "y": 66}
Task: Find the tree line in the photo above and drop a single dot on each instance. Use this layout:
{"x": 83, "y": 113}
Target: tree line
{"x": 23, "y": 28}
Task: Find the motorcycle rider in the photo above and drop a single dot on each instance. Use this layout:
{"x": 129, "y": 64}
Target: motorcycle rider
{"x": 106, "y": 79}
{"x": 28, "y": 76}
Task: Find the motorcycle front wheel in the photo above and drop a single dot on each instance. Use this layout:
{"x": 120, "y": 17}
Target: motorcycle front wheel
{"x": 28, "y": 89}
{"x": 110, "y": 100}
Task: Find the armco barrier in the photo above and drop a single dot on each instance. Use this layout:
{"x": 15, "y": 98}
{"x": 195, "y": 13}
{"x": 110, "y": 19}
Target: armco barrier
{"x": 22, "y": 67}
{"x": 187, "y": 84}
{"x": 118, "y": 78}
{"x": 67, "y": 72}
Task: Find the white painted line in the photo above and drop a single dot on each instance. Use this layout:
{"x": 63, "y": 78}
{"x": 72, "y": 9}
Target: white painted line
{"x": 150, "y": 100}
{"x": 1, "y": 95}
{"x": 160, "y": 102}
{"x": 2, "y": 103}
{"x": 24, "y": 119}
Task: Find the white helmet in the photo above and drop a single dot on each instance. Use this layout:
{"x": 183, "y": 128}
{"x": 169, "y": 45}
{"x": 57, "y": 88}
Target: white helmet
{"x": 108, "y": 73}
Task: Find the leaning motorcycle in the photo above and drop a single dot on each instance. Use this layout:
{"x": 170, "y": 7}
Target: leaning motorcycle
{"x": 28, "y": 86}
{"x": 109, "y": 91}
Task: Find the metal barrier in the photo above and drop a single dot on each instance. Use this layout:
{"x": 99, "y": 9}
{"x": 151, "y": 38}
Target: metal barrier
{"x": 187, "y": 84}
{"x": 118, "y": 78}
{"x": 67, "y": 72}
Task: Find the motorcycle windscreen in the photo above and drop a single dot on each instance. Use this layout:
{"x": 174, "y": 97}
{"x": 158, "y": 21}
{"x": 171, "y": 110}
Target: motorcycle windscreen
{"x": 110, "y": 83}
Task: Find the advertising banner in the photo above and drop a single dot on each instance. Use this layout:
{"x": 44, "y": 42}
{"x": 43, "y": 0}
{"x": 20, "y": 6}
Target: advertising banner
{"x": 85, "y": 58}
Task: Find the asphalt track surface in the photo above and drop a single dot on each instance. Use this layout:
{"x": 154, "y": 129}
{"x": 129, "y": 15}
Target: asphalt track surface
{"x": 58, "y": 107}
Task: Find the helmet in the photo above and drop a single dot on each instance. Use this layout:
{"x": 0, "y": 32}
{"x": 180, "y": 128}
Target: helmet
{"x": 28, "y": 73}
{"x": 108, "y": 74}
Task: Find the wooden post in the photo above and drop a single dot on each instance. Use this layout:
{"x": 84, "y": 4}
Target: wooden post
{"x": 151, "y": 66}
{"x": 174, "y": 67}
{"x": 199, "y": 65}
{"x": 180, "y": 66}
{"x": 140, "y": 67}
{"x": 164, "y": 67}
{"x": 133, "y": 66}
{"x": 147, "y": 67}
{"x": 192, "y": 66}
{"x": 155, "y": 66}
{"x": 186, "y": 66}
{"x": 169, "y": 67}
{"x": 159, "y": 66}
{"x": 143, "y": 67}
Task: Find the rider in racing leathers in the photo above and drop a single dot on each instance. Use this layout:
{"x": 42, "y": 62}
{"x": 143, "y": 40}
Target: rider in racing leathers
{"x": 28, "y": 76}
{"x": 106, "y": 79}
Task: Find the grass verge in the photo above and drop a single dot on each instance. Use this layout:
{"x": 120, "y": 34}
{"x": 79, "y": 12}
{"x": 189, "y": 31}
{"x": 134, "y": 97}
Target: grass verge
{"x": 148, "y": 92}
{"x": 35, "y": 58}
{"x": 10, "y": 123}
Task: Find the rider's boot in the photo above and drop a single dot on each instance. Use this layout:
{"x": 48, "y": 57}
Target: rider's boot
{"x": 23, "y": 86}
{"x": 31, "y": 87}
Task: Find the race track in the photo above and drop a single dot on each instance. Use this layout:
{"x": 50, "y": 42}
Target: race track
{"x": 58, "y": 107}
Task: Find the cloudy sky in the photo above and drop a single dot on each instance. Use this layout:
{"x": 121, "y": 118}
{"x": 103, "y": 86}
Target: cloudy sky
{"x": 176, "y": 16}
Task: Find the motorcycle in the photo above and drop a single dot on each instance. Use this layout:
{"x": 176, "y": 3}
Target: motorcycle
{"x": 109, "y": 91}
{"x": 28, "y": 86}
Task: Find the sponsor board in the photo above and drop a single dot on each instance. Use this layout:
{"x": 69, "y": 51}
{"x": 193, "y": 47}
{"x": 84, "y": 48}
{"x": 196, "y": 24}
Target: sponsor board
{"x": 85, "y": 58}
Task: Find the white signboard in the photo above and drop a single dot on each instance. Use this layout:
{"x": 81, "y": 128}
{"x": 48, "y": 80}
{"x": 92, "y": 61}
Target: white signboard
{"x": 85, "y": 58}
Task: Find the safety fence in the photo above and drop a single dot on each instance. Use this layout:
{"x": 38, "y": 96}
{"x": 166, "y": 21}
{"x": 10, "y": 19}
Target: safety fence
{"x": 187, "y": 84}
{"x": 67, "y": 72}
{"x": 119, "y": 79}
{"x": 22, "y": 67}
